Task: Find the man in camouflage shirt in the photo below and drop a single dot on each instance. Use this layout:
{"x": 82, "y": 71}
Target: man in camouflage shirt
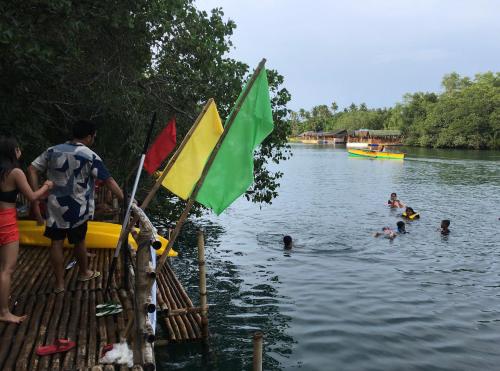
{"x": 73, "y": 167}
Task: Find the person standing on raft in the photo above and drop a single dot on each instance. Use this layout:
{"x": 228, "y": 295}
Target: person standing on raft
{"x": 73, "y": 167}
{"x": 12, "y": 181}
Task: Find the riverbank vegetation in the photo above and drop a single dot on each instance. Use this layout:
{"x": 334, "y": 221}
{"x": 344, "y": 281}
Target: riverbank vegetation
{"x": 116, "y": 63}
{"x": 465, "y": 115}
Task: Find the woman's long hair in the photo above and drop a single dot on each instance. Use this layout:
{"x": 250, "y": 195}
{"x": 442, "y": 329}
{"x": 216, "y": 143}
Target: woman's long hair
{"x": 8, "y": 158}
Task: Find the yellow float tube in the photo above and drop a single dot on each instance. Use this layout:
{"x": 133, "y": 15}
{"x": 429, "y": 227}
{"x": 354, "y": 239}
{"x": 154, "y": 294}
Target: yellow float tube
{"x": 100, "y": 235}
{"x": 411, "y": 217}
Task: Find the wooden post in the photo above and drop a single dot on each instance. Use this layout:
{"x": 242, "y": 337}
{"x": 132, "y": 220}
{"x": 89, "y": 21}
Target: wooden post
{"x": 141, "y": 294}
{"x": 144, "y": 333}
{"x": 257, "y": 351}
{"x": 203, "y": 284}
{"x": 210, "y": 160}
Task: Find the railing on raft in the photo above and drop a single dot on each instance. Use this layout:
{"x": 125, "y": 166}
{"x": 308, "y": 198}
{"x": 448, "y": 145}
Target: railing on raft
{"x": 143, "y": 276}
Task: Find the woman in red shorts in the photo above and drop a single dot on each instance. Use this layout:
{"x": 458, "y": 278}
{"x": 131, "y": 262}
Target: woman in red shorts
{"x": 12, "y": 181}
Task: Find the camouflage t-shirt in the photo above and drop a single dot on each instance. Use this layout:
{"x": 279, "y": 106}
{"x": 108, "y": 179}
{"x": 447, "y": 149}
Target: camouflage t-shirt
{"x": 73, "y": 167}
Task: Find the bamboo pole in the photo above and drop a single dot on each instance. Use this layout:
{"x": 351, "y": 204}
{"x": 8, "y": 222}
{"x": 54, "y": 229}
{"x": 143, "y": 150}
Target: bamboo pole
{"x": 41, "y": 308}
{"x": 82, "y": 336}
{"x": 141, "y": 288}
{"x": 211, "y": 159}
{"x": 92, "y": 355}
{"x": 129, "y": 311}
{"x": 194, "y": 317}
{"x": 143, "y": 350}
{"x": 203, "y": 284}
{"x": 178, "y": 329}
{"x": 257, "y": 351}
{"x": 183, "y": 321}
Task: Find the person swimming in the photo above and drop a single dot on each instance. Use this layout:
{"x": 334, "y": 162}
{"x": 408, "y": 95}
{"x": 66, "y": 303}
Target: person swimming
{"x": 401, "y": 227}
{"x": 287, "y": 241}
{"x": 445, "y": 224}
{"x": 387, "y": 232}
{"x": 393, "y": 202}
{"x": 410, "y": 214}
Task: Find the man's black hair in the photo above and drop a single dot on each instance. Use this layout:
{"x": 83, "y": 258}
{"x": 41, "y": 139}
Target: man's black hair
{"x": 287, "y": 240}
{"x": 83, "y": 128}
{"x": 400, "y": 224}
{"x": 446, "y": 222}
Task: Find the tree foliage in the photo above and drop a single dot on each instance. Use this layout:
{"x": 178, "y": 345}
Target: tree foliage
{"x": 465, "y": 115}
{"x": 116, "y": 63}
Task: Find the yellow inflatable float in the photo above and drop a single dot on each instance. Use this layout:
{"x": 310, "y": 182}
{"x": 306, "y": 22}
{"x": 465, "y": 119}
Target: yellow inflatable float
{"x": 99, "y": 236}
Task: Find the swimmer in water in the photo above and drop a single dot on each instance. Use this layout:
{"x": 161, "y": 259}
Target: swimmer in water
{"x": 445, "y": 224}
{"x": 410, "y": 214}
{"x": 287, "y": 241}
{"x": 387, "y": 232}
{"x": 401, "y": 227}
{"x": 393, "y": 202}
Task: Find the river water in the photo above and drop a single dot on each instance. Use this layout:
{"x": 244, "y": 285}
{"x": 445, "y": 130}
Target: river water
{"x": 342, "y": 299}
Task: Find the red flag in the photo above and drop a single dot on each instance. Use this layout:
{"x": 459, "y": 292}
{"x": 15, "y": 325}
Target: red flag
{"x": 161, "y": 147}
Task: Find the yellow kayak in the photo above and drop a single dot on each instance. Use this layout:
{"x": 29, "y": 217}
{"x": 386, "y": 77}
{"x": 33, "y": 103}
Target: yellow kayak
{"x": 99, "y": 236}
{"x": 376, "y": 154}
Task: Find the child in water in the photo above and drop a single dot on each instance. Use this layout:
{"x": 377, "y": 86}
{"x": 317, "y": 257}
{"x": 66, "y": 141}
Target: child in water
{"x": 393, "y": 202}
{"x": 445, "y": 224}
{"x": 410, "y": 214}
{"x": 287, "y": 240}
{"x": 387, "y": 232}
{"x": 401, "y": 227}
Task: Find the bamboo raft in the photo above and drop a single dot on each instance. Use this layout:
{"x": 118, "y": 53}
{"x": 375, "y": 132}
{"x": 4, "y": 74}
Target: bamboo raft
{"x": 72, "y": 314}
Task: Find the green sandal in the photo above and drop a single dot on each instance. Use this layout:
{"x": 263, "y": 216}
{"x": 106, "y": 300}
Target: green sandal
{"x": 108, "y": 312}
{"x": 109, "y": 305}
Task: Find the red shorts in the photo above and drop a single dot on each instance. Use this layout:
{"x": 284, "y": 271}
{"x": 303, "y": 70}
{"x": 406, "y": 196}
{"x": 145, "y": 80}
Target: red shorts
{"x": 8, "y": 226}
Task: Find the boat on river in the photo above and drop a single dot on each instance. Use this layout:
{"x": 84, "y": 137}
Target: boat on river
{"x": 375, "y": 154}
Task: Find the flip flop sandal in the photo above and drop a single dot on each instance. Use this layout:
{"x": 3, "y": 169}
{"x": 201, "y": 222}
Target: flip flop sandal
{"x": 109, "y": 312}
{"x": 94, "y": 274}
{"x": 59, "y": 346}
{"x": 71, "y": 264}
{"x": 106, "y": 349}
{"x": 111, "y": 305}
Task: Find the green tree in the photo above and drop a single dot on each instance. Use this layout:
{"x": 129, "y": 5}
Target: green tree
{"x": 116, "y": 63}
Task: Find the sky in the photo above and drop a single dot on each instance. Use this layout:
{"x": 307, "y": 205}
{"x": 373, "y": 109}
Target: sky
{"x": 371, "y": 51}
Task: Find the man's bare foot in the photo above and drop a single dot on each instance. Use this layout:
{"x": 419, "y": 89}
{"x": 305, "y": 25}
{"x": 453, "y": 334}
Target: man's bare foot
{"x": 11, "y": 318}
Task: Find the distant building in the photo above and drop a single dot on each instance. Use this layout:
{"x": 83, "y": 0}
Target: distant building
{"x": 324, "y": 137}
{"x": 364, "y": 138}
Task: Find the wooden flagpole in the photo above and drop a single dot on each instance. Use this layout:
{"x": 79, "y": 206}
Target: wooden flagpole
{"x": 211, "y": 159}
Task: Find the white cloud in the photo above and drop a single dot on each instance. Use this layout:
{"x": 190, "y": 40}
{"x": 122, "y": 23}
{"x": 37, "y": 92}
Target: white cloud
{"x": 346, "y": 50}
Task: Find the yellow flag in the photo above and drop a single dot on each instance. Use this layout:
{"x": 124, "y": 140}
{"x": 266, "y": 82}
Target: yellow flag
{"x": 190, "y": 162}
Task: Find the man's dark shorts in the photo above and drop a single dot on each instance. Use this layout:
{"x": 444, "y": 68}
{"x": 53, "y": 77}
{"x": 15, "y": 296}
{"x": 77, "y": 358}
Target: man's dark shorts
{"x": 74, "y": 235}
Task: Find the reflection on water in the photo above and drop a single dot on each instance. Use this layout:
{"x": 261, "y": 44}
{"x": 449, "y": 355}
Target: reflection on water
{"x": 342, "y": 299}
{"x": 238, "y": 308}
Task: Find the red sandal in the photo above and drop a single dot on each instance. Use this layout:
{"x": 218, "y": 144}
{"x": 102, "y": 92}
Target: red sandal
{"x": 59, "y": 346}
{"x": 106, "y": 349}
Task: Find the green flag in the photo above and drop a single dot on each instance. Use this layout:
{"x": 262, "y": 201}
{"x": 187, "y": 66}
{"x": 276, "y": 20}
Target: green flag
{"x": 231, "y": 172}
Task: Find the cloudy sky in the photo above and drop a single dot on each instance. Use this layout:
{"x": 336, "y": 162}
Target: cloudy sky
{"x": 370, "y": 51}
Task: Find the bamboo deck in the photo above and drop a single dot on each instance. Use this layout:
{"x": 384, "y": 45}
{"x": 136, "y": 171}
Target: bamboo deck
{"x": 71, "y": 314}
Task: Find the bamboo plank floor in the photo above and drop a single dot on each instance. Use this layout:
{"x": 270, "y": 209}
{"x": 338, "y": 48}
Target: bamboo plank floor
{"x": 71, "y": 314}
